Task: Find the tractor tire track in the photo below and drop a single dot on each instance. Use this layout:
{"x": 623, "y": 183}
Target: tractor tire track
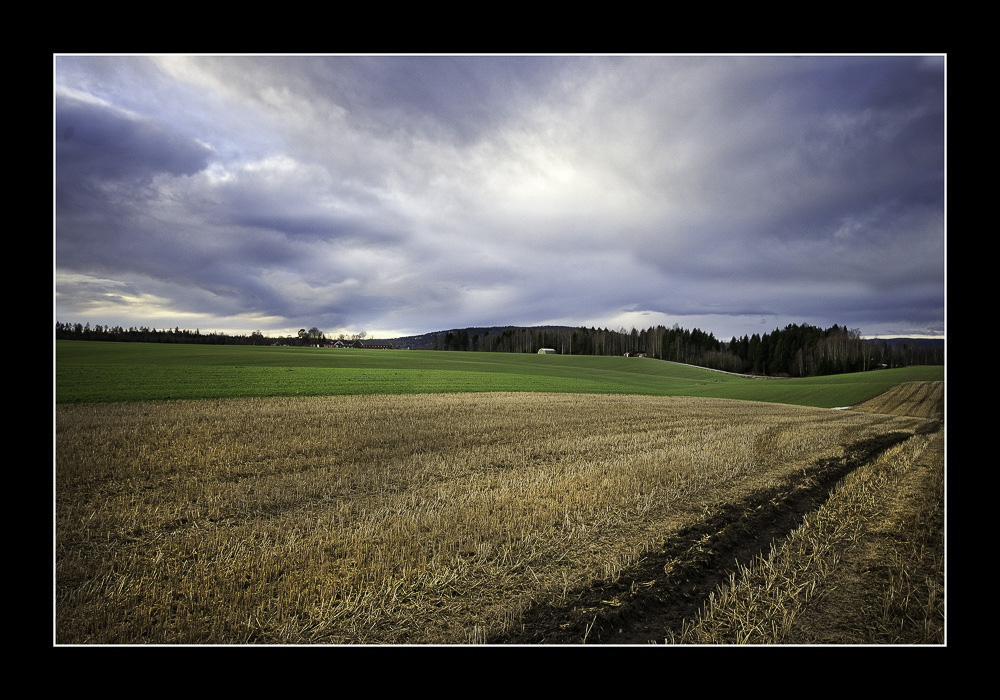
{"x": 652, "y": 599}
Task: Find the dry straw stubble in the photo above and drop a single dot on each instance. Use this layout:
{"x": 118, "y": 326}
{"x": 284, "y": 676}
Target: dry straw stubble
{"x": 395, "y": 519}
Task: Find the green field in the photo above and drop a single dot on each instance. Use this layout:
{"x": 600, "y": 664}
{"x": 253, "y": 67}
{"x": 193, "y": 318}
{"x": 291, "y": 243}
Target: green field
{"x": 108, "y": 372}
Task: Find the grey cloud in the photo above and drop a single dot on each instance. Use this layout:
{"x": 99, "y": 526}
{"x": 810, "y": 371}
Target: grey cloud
{"x": 797, "y": 134}
{"x": 415, "y": 192}
{"x": 98, "y": 142}
{"x": 431, "y": 95}
{"x": 105, "y": 164}
{"x": 427, "y": 96}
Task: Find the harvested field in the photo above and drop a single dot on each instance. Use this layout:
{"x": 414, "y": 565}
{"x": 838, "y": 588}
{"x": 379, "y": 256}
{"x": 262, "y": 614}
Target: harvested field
{"x": 862, "y": 560}
{"x": 446, "y": 519}
{"x": 919, "y": 399}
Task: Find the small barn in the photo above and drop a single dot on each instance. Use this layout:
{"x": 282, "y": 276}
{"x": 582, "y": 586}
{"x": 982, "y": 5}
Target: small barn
{"x": 546, "y": 351}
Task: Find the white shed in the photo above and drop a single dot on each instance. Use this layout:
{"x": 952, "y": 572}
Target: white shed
{"x": 546, "y": 351}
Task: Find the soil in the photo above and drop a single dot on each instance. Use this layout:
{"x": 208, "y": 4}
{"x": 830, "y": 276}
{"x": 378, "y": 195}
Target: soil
{"x": 650, "y": 601}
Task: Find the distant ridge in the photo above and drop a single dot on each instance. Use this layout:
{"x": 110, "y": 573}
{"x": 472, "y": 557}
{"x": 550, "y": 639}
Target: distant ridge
{"x": 911, "y": 342}
{"x": 425, "y": 341}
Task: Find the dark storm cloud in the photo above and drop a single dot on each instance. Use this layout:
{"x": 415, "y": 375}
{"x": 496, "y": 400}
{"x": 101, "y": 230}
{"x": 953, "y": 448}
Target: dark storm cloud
{"x": 823, "y": 139}
{"x": 106, "y": 162}
{"x": 97, "y": 143}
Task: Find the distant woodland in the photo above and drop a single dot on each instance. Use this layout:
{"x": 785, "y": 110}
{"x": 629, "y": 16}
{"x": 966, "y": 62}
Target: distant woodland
{"x": 795, "y": 351}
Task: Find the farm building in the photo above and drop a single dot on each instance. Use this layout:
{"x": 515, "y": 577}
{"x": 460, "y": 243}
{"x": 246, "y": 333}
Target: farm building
{"x": 546, "y": 351}
{"x": 358, "y": 344}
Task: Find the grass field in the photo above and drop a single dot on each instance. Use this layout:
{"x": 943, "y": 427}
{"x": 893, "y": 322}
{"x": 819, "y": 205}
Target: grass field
{"x": 101, "y": 372}
{"x": 588, "y": 500}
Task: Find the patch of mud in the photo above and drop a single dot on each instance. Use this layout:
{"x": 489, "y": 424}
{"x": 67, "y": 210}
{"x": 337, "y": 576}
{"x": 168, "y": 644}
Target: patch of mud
{"x": 652, "y": 599}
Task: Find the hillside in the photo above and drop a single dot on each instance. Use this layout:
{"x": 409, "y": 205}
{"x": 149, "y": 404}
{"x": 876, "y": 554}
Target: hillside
{"x": 100, "y": 372}
{"x": 916, "y": 399}
{"x": 911, "y": 342}
{"x": 425, "y": 341}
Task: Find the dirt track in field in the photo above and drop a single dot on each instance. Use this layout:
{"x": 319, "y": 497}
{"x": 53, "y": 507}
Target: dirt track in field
{"x": 671, "y": 584}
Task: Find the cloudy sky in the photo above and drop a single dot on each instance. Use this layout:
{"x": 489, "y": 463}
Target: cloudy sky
{"x": 405, "y": 194}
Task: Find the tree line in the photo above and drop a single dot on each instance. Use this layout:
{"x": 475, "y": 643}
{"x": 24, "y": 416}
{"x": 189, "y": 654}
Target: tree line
{"x": 796, "y": 350}
{"x": 808, "y": 351}
{"x": 143, "y": 334}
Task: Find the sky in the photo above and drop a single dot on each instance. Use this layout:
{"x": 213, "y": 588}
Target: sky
{"x": 405, "y": 194}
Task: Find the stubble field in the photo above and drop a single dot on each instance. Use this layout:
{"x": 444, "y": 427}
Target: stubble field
{"x": 498, "y": 518}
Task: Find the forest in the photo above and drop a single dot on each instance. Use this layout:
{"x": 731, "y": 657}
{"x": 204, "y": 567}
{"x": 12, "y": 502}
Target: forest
{"x": 795, "y": 351}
